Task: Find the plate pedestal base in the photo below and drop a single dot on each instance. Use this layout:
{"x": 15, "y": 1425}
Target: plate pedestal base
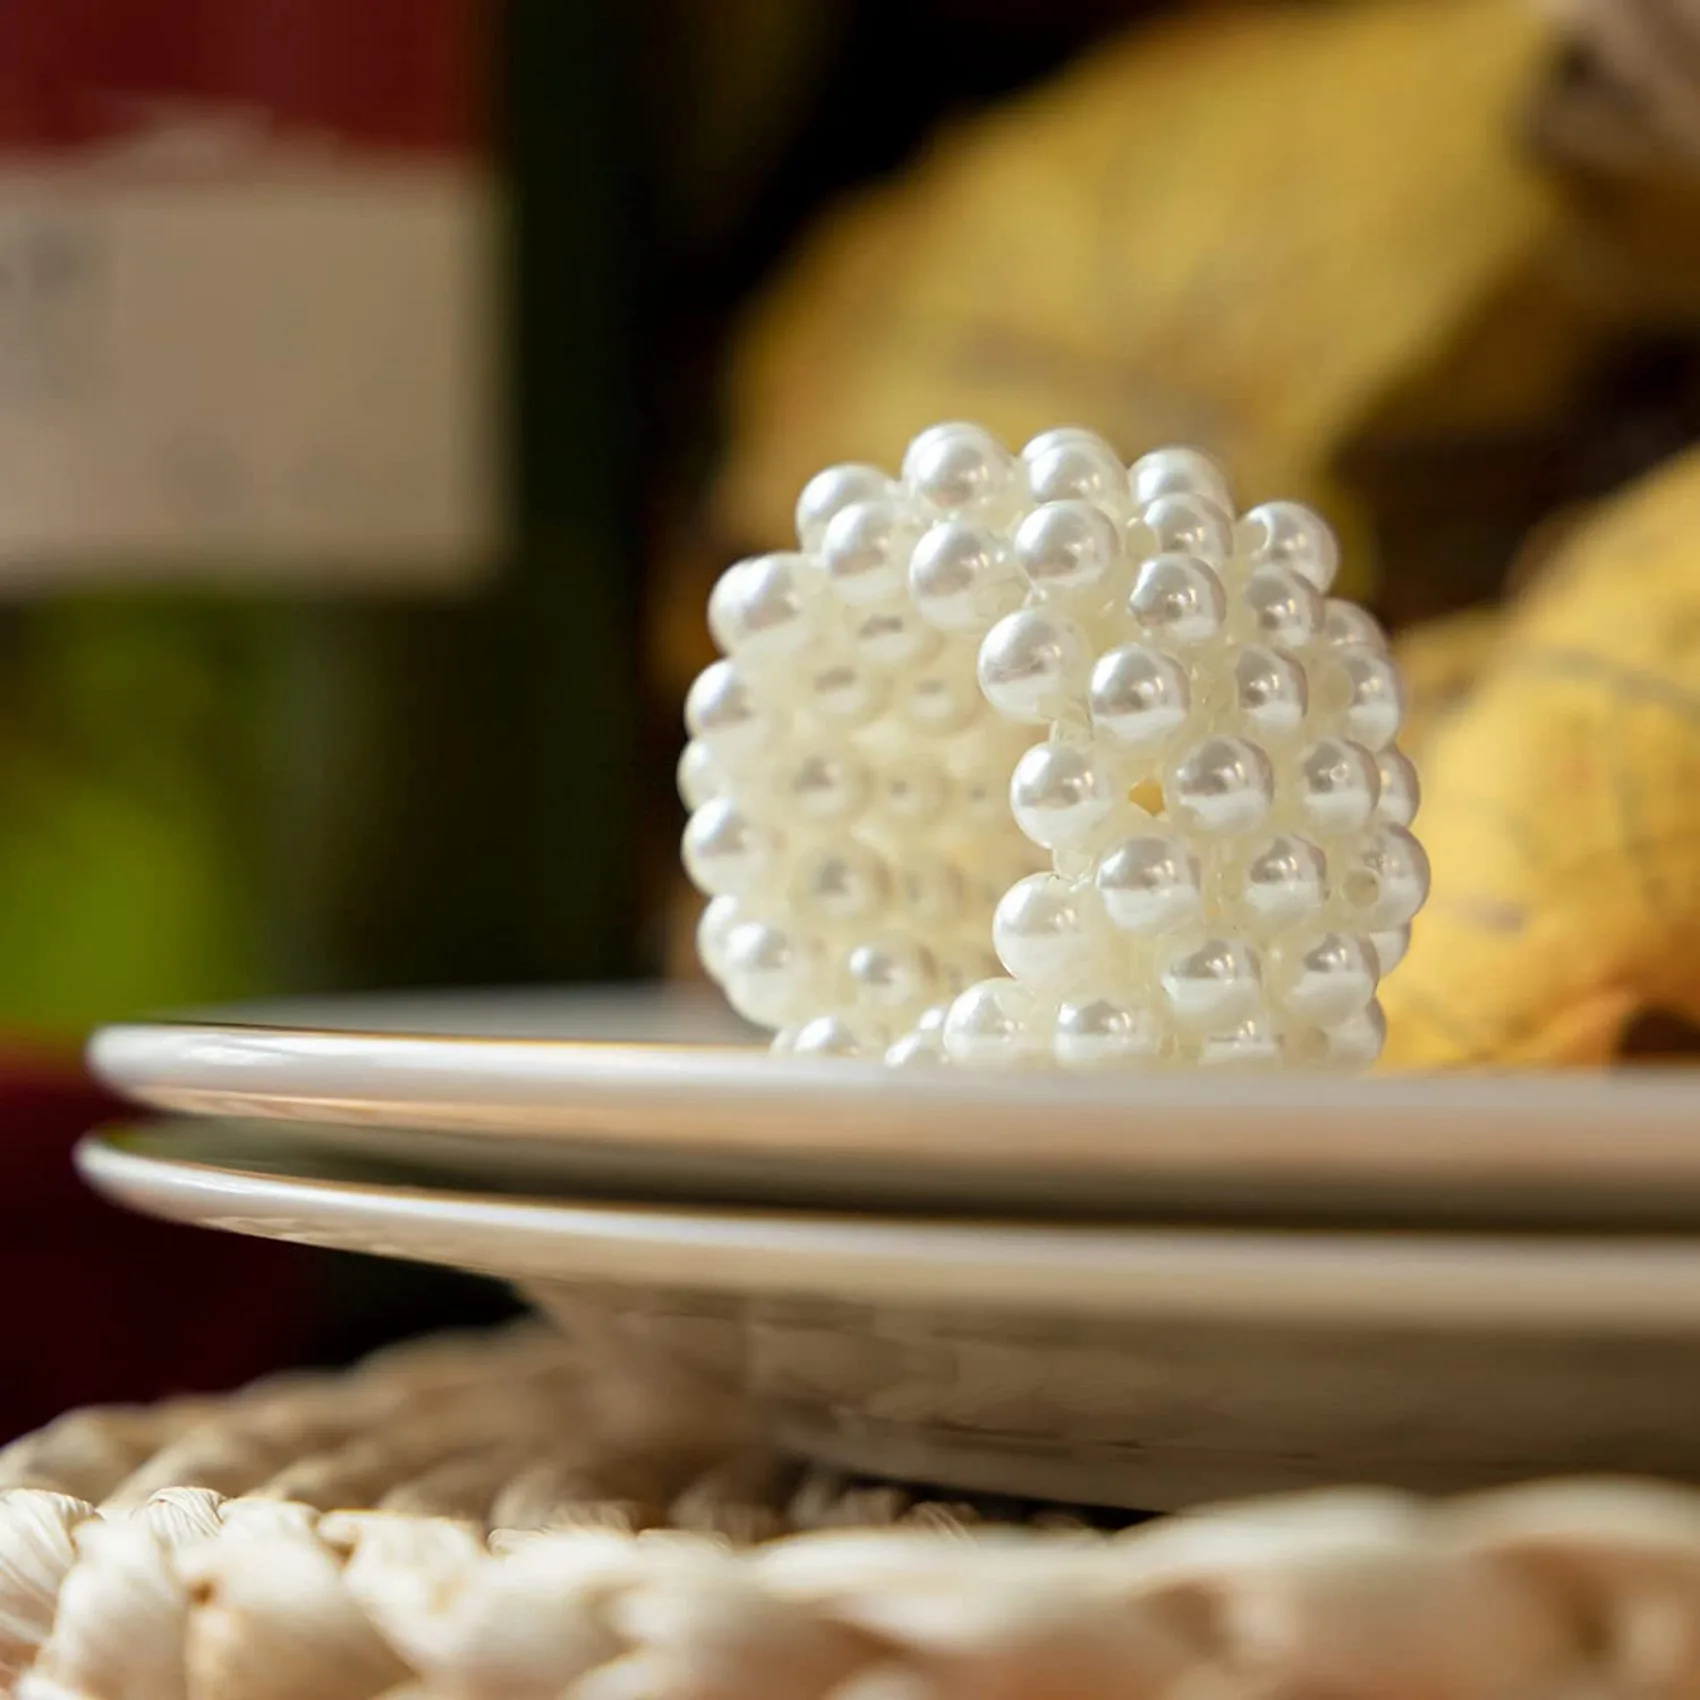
{"x": 1137, "y": 1415}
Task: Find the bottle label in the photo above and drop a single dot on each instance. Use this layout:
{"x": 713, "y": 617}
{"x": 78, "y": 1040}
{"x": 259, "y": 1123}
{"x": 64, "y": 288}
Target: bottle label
{"x": 248, "y": 324}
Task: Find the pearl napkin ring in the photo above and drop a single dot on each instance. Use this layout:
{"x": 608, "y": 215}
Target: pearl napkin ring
{"x": 1040, "y": 759}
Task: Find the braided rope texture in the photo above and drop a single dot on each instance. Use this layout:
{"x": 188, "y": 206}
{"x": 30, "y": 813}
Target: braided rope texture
{"x": 503, "y": 1551}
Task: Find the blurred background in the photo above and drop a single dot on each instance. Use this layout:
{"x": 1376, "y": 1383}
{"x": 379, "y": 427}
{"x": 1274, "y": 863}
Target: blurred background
{"x": 383, "y": 385}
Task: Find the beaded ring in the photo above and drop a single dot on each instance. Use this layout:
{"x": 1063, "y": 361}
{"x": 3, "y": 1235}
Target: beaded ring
{"x": 1043, "y": 759}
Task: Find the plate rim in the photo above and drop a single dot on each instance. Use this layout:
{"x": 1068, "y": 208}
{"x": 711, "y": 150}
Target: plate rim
{"x": 1407, "y": 1278}
{"x": 741, "y": 1100}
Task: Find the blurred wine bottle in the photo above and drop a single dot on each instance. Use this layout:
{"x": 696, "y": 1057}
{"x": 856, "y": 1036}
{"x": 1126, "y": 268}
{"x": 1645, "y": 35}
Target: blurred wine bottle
{"x": 318, "y": 557}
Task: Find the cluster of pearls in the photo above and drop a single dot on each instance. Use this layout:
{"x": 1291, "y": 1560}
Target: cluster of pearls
{"x": 1050, "y": 714}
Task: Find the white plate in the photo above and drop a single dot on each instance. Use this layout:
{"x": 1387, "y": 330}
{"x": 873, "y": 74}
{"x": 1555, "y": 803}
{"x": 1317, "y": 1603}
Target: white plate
{"x": 1145, "y": 1367}
{"x": 654, "y": 1095}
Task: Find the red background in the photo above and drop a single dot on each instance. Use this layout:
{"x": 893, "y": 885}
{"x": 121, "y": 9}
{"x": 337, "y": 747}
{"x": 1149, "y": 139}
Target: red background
{"x": 100, "y": 1305}
{"x": 388, "y": 73}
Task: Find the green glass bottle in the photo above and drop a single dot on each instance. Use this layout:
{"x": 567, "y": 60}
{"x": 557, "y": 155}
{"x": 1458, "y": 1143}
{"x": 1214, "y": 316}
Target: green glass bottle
{"x": 318, "y": 558}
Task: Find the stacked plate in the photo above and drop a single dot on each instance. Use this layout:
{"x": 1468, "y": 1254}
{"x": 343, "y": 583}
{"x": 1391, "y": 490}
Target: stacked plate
{"x": 1135, "y": 1291}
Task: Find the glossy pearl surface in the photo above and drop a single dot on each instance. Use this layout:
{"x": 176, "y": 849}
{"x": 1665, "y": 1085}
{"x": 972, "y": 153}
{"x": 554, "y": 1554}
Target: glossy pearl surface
{"x": 1041, "y": 760}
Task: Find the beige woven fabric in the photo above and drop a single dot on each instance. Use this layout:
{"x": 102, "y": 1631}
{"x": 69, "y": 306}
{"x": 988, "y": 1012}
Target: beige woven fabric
{"x": 491, "y": 1546}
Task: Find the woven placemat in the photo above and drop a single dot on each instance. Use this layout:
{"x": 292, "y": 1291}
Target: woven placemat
{"x": 450, "y": 1522}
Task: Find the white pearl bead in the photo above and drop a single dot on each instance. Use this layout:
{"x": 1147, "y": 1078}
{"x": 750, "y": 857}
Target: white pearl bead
{"x": 1359, "y": 691}
{"x": 826, "y": 787}
{"x": 913, "y": 794}
{"x": 1345, "y": 624}
{"x": 701, "y": 777}
{"x": 1295, "y": 536}
{"x": 1058, "y": 435}
{"x": 1186, "y": 525}
{"x": 763, "y": 607}
{"x": 941, "y": 703}
{"x": 1281, "y": 607}
{"x": 962, "y": 577}
{"x": 931, "y": 892}
{"x": 769, "y": 976}
{"x": 1384, "y": 881}
{"x": 724, "y": 603}
{"x": 995, "y": 1024}
{"x": 1205, "y": 714}
{"x": 1358, "y": 1041}
{"x": 1337, "y": 786}
{"x": 1178, "y": 599}
{"x": 1059, "y": 795}
{"x": 834, "y": 1036}
{"x": 894, "y": 637}
{"x": 1223, "y": 786}
{"x": 1400, "y": 793}
{"x": 1213, "y": 985}
{"x": 917, "y": 1049}
{"x": 893, "y": 973}
{"x": 829, "y": 492}
{"x": 1271, "y": 692}
{"x": 725, "y": 851}
{"x": 865, "y": 551}
{"x": 1285, "y": 885}
{"x": 1390, "y": 946}
{"x": 844, "y": 695}
{"x": 1069, "y": 549}
{"x": 1322, "y": 980}
{"x": 1033, "y": 664}
{"x": 982, "y": 798}
{"x": 1042, "y": 931}
{"x": 1076, "y": 465}
{"x": 1179, "y": 471}
{"x": 1097, "y": 1031}
{"x": 1150, "y": 884}
{"x": 1139, "y": 696}
{"x": 720, "y": 711}
{"x": 1253, "y": 1043}
{"x": 841, "y": 884}
{"x": 956, "y": 467}
{"x": 714, "y": 927}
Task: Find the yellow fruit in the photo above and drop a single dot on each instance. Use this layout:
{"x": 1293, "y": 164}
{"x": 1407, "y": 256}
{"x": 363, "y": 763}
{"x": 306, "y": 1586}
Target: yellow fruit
{"x": 1561, "y": 807}
{"x": 1239, "y": 231}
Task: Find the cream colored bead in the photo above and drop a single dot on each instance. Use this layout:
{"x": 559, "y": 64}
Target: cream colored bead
{"x": 1046, "y": 709}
